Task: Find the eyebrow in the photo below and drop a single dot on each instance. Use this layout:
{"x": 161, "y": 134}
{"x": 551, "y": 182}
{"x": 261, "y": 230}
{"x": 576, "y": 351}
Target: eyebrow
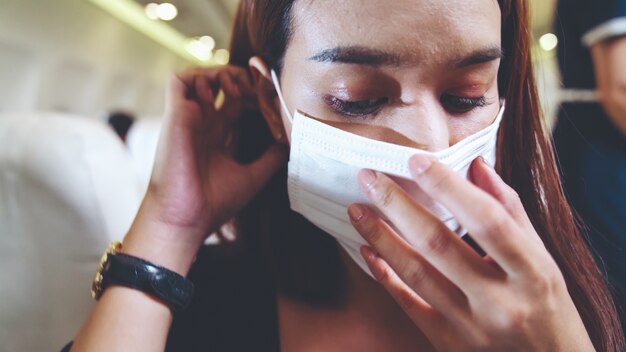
{"x": 357, "y": 55}
{"x": 480, "y": 57}
{"x": 360, "y": 55}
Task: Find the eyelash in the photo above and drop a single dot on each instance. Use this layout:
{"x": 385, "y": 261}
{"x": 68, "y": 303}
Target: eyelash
{"x": 462, "y": 104}
{"x": 371, "y": 107}
{"x": 362, "y": 108}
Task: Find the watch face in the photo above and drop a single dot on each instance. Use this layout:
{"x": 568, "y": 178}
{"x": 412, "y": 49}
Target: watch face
{"x": 96, "y": 286}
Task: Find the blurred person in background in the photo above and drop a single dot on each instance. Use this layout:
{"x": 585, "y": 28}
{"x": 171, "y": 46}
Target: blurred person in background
{"x": 121, "y": 122}
{"x": 389, "y": 271}
{"x": 590, "y": 137}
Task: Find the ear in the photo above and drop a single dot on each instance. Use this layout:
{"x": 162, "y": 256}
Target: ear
{"x": 267, "y": 97}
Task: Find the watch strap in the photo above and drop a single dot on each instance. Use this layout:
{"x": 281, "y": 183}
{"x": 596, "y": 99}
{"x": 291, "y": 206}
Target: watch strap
{"x": 129, "y": 271}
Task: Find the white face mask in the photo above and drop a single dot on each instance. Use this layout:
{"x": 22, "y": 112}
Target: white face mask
{"x": 324, "y": 162}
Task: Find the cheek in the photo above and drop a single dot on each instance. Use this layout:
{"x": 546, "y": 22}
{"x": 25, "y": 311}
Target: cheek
{"x": 464, "y": 127}
{"x": 478, "y": 119}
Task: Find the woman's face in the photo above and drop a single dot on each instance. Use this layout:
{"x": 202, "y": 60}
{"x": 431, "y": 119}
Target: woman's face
{"x": 420, "y": 73}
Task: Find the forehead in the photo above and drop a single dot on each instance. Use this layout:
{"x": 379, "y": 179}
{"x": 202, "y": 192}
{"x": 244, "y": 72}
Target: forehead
{"x": 421, "y": 29}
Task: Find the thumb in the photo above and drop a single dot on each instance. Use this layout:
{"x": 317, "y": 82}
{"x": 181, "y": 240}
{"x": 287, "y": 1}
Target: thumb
{"x": 264, "y": 167}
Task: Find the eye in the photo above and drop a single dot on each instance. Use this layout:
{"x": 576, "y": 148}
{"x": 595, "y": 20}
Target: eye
{"x": 362, "y": 108}
{"x": 459, "y": 105}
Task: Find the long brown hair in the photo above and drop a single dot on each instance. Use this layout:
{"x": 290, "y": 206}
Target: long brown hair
{"x": 305, "y": 261}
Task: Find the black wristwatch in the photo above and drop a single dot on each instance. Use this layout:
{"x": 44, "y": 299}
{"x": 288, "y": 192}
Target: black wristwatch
{"x": 117, "y": 268}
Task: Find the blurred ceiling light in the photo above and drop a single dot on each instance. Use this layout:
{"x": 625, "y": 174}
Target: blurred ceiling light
{"x": 199, "y": 50}
{"x": 167, "y": 11}
{"x": 134, "y": 15}
{"x": 208, "y": 41}
{"x": 548, "y": 41}
{"x": 221, "y": 56}
{"x": 152, "y": 11}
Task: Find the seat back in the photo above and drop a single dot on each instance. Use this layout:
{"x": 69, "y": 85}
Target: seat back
{"x": 66, "y": 190}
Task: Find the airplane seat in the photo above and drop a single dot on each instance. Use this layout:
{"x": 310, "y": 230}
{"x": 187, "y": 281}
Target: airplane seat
{"x": 142, "y": 139}
{"x": 66, "y": 190}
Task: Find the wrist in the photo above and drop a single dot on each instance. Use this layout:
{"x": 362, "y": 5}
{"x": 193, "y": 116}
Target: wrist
{"x": 172, "y": 256}
{"x": 171, "y": 247}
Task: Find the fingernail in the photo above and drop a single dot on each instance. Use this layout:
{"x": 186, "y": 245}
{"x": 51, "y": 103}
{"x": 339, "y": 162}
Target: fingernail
{"x": 420, "y": 163}
{"x": 368, "y": 177}
{"x": 356, "y": 212}
{"x": 368, "y": 254}
{"x": 485, "y": 162}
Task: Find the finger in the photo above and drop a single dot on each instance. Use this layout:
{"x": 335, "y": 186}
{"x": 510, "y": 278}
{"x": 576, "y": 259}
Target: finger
{"x": 485, "y": 177}
{"x": 205, "y": 94}
{"x": 228, "y": 84}
{"x": 243, "y": 80}
{"x": 410, "y": 266}
{"x": 423, "y": 315}
{"x": 233, "y": 103}
{"x": 249, "y": 95}
{"x": 425, "y": 232}
{"x": 176, "y": 101}
{"x": 485, "y": 218}
{"x": 187, "y": 76}
{"x": 212, "y": 75}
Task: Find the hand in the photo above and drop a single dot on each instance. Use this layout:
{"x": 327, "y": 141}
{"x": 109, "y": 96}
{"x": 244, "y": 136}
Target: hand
{"x": 513, "y": 299}
{"x": 608, "y": 58}
{"x": 196, "y": 185}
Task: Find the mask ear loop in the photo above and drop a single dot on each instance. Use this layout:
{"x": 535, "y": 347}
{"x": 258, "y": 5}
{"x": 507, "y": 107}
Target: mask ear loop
{"x": 280, "y": 95}
{"x": 502, "y": 109}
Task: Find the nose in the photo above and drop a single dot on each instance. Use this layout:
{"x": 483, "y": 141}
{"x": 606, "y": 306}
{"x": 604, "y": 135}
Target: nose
{"x": 422, "y": 124}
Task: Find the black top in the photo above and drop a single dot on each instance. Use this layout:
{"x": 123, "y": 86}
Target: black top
{"x": 234, "y": 305}
{"x": 233, "y": 308}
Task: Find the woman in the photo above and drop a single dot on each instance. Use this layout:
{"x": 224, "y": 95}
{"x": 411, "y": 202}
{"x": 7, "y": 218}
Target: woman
{"x": 404, "y": 72}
